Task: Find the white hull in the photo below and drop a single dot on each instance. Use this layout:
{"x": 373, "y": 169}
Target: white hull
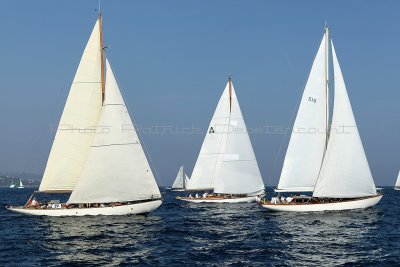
{"x": 21, "y": 187}
{"x": 220, "y": 200}
{"x": 397, "y": 188}
{"x": 345, "y": 205}
{"x": 12, "y": 186}
{"x": 178, "y": 190}
{"x": 138, "y": 208}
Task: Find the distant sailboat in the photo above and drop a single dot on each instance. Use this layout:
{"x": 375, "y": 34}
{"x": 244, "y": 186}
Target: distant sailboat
{"x": 181, "y": 181}
{"x": 397, "y": 185}
{"x": 330, "y": 164}
{"x": 20, "y": 184}
{"x": 226, "y": 165}
{"x": 12, "y": 185}
{"x": 96, "y": 155}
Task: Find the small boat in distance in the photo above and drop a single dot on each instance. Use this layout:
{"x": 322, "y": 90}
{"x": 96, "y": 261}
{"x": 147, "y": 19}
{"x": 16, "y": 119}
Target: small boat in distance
{"x": 181, "y": 181}
{"x": 12, "y": 185}
{"x": 397, "y": 185}
{"x": 97, "y": 155}
{"x": 20, "y": 184}
{"x": 226, "y": 169}
{"x": 328, "y": 162}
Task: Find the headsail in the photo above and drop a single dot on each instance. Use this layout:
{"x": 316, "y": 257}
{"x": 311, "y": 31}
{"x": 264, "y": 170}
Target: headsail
{"x": 213, "y": 146}
{"x": 308, "y": 140}
{"x": 237, "y": 172}
{"x": 345, "y": 171}
{"x": 117, "y": 168}
{"x": 75, "y": 131}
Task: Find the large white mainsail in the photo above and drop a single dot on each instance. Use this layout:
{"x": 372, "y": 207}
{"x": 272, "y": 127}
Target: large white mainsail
{"x": 75, "y": 132}
{"x": 237, "y": 171}
{"x": 213, "y": 146}
{"x": 308, "y": 139}
{"x": 345, "y": 171}
{"x": 117, "y": 169}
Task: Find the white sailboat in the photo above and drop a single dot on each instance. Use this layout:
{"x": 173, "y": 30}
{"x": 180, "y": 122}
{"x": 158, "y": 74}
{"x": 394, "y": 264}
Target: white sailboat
{"x": 226, "y": 165}
{"x": 397, "y": 185}
{"x": 20, "y": 184}
{"x": 181, "y": 181}
{"x": 12, "y": 185}
{"x": 330, "y": 164}
{"x": 96, "y": 155}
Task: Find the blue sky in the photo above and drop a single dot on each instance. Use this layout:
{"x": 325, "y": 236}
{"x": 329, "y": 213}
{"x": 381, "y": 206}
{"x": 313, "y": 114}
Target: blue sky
{"x": 172, "y": 60}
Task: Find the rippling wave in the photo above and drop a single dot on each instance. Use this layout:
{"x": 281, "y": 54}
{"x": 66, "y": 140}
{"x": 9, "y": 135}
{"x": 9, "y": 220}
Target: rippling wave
{"x": 181, "y": 233}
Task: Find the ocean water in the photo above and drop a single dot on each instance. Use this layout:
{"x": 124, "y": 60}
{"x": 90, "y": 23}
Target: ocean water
{"x": 184, "y": 234}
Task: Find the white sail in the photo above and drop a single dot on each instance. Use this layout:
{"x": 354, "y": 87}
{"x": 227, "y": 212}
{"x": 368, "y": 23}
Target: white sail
{"x": 237, "y": 171}
{"x": 117, "y": 169}
{"x": 345, "y": 171}
{"x": 398, "y": 180}
{"x": 179, "y": 180}
{"x": 307, "y": 143}
{"x": 75, "y": 131}
{"x": 20, "y": 184}
{"x": 213, "y": 146}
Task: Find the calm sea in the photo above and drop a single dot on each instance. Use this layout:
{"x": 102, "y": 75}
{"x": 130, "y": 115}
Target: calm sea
{"x": 183, "y": 234}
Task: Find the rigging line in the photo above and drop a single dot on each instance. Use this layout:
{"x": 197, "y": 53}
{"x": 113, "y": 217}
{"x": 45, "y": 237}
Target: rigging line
{"x": 150, "y": 160}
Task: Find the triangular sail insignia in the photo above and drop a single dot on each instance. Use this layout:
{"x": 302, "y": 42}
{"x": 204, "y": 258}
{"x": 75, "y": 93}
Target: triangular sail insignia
{"x": 75, "y": 132}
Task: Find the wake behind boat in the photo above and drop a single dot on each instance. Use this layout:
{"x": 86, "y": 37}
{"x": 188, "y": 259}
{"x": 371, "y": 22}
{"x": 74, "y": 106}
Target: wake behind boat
{"x": 96, "y": 155}
{"x": 331, "y": 163}
{"x": 226, "y": 169}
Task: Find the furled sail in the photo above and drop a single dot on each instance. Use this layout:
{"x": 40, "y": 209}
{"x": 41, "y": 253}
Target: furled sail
{"x": 345, "y": 171}
{"x": 237, "y": 172}
{"x": 308, "y": 139}
{"x": 117, "y": 168}
{"x": 75, "y": 132}
{"x": 213, "y": 146}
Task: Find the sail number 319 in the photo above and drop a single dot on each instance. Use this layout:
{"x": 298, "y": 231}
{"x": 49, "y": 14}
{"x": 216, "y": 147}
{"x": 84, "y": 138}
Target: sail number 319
{"x": 311, "y": 99}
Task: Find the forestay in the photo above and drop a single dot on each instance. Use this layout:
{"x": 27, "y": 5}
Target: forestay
{"x": 345, "y": 171}
{"x": 308, "y": 139}
{"x": 117, "y": 169}
{"x": 75, "y": 132}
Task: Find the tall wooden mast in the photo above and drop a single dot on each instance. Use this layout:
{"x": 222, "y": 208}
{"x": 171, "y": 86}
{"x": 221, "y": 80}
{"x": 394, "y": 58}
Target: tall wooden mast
{"x": 102, "y": 55}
